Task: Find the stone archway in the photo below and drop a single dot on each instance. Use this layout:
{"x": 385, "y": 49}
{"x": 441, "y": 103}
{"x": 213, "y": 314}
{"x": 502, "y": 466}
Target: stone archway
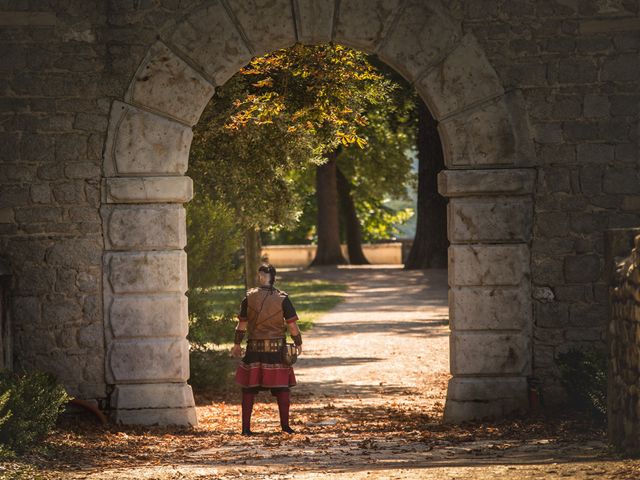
{"x": 487, "y": 150}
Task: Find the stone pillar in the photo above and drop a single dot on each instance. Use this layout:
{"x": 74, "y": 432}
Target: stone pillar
{"x": 145, "y": 268}
{"x": 489, "y": 227}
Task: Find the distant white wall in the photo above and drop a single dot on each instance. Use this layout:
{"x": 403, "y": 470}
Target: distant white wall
{"x": 302, "y": 255}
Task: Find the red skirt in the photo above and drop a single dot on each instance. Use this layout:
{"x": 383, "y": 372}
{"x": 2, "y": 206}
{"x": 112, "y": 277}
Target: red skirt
{"x": 263, "y": 370}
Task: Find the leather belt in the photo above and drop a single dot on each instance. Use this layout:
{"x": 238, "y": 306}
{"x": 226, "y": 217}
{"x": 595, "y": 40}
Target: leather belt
{"x": 267, "y": 345}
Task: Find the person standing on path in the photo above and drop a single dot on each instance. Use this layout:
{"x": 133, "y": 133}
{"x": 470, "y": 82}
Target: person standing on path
{"x": 265, "y": 313}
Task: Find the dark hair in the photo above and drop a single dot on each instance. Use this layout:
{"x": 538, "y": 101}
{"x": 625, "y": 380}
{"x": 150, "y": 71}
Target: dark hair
{"x": 270, "y": 269}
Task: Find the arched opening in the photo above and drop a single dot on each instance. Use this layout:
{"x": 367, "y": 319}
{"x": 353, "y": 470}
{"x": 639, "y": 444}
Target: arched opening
{"x": 487, "y": 147}
{"x": 253, "y": 166}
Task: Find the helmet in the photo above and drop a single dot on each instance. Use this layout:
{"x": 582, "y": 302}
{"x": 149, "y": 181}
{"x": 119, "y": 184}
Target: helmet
{"x": 270, "y": 269}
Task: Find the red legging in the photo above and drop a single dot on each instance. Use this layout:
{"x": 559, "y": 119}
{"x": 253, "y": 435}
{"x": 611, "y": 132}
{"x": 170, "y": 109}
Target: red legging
{"x": 248, "y": 398}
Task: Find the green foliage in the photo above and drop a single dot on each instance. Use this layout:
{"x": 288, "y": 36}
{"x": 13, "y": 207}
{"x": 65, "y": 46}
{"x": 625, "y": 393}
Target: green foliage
{"x": 213, "y": 243}
{"x": 258, "y": 142}
{"x": 207, "y": 325}
{"x": 379, "y": 221}
{"x": 584, "y": 375}
{"x": 29, "y": 407}
{"x": 319, "y": 90}
{"x": 210, "y": 369}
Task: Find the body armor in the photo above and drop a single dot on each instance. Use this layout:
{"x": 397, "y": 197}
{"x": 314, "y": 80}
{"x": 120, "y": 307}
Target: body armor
{"x": 265, "y": 315}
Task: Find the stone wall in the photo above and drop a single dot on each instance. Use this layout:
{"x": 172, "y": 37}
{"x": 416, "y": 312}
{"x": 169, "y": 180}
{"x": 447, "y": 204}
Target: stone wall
{"x": 52, "y": 127}
{"x": 623, "y": 403}
{"x": 573, "y": 63}
{"x": 577, "y": 64}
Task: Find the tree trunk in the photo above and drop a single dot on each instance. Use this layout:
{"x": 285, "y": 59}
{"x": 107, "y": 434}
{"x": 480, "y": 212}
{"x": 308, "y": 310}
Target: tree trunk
{"x": 351, "y": 222}
{"x": 430, "y": 244}
{"x": 252, "y": 257}
{"x": 328, "y": 252}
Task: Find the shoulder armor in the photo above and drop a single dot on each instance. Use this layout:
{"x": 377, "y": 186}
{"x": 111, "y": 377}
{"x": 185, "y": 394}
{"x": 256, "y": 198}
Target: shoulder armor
{"x": 283, "y": 293}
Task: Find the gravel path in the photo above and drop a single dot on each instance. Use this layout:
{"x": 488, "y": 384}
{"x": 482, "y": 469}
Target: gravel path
{"x": 372, "y": 384}
{"x": 388, "y": 339}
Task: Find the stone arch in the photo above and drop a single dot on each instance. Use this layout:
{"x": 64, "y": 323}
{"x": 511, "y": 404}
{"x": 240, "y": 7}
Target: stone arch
{"x": 487, "y": 148}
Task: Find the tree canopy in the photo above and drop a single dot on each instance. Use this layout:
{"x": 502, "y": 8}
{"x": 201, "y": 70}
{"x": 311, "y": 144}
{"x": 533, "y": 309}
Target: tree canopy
{"x": 266, "y": 130}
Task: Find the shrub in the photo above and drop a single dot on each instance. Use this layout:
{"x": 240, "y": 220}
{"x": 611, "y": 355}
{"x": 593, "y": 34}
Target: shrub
{"x": 29, "y": 407}
{"x": 206, "y": 327}
{"x": 210, "y": 368}
{"x": 584, "y": 375}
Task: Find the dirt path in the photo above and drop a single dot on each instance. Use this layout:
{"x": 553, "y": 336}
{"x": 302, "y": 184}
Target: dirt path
{"x": 372, "y": 384}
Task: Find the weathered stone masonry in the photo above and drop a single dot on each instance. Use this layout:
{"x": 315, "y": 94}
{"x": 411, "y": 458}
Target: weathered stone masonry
{"x": 538, "y": 109}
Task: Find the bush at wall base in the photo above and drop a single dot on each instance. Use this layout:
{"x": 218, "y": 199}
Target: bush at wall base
{"x": 29, "y": 407}
{"x": 584, "y": 375}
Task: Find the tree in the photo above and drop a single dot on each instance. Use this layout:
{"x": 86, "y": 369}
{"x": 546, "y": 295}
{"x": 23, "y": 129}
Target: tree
{"x": 326, "y": 90}
{"x": 249, "y": 171}
{"x": 328, "y": 251}
{"x": 353, "y": 229}
{"x": 430, "y": 244}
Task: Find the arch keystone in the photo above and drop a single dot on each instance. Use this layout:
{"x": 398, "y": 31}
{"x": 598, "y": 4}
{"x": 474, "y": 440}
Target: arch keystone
{"x": 209, "y": 38}
{"x": 267, "y": 24}
{"x": 314, "y": 21}
{"x": 166, "y": 83}
{"x": 363, "y": 23}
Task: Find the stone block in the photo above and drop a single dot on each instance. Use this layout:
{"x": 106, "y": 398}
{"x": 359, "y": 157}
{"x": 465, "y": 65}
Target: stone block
{"x": 148, "y": 360}
{"x": 477, "y": 219}
{"x": 140, "y": 142}
{"x": 490, "y": 308}
{"x": 600, "y": 153}
{"x": 42, "y": 214}
{"x": 92, "y": 336}
{"x": 582, "y": 268}
{"x": 422, "y": 36}
{"x": 149, "y": 189}
{"x": 464, "y": 78}
{"x": 465, "y": 183}
{"x": 210, "y": 39}
{"x": 70, "y": 193}
{"x": 166, "y": 83}
{"x": 182, "y": 417}
{"x": 74, "y": 252}
{"x": 14, "y": 195}
{"x": 621, "y": 180}
{"x": 147, "y": 272}
{"x": 141, "y": 227}
{"x": 596, "y": 106}
{"x": 157, "y": 315}
{"x": 7, "y": 215}
{"x": 273, "y": 28}
{"x": 314, "y": 21}
{"x": 485, "y": 353}
{"x": 485, "y": 397}
{"x": 495, "y": 133}
{"x": 41, "y": 193}
{"x": 551, "y": 315}
{"x": 362, "y": 24}
{"x": 152, "y": 395}
{"x": 488, "y": 265}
